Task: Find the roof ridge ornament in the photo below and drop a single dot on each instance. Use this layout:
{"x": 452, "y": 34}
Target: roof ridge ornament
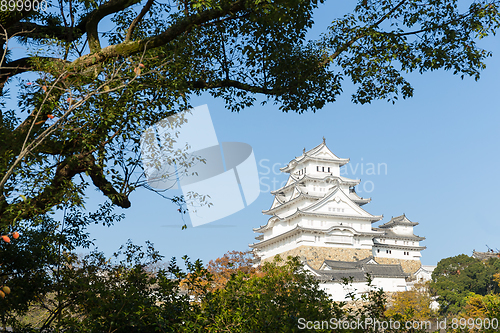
{"x": 324, "y": 140}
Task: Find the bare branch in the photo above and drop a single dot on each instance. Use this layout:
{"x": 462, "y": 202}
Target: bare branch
{"x": 201, "y": 84}
{"x": 97, "y": 15}
{"x": 139, "y": 17}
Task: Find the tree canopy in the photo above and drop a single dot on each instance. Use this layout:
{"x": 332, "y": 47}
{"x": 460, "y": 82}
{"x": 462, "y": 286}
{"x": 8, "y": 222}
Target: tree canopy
{"x": 456, "y": 277}
{"x": 86, "y": 96}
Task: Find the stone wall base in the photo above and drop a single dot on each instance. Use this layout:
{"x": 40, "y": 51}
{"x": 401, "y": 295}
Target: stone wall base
{"x": 409, "y": 266}
{"x": 315, "y": 255}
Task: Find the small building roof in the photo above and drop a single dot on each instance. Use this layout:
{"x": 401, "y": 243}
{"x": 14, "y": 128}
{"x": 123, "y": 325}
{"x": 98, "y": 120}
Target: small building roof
{"x": 388, "y": 233}
{"x": 485, "y": 255}
{"x": 398, "y": 220}
{"x": 357, "y": 270}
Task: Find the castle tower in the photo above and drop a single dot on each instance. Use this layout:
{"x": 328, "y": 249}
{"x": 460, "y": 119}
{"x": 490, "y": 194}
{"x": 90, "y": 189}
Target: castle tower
{"x": 318, "y": 216}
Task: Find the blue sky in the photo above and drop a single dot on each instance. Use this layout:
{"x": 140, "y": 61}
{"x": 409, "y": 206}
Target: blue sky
{"x": 440, "y": 149}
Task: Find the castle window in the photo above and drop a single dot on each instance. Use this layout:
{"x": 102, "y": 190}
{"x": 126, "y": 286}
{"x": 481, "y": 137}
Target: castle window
{"x": 323, "y": 169}
{"x": 317, "y": 168}
{"x": 328, "y": 169}
{"x": 378, "y": 250}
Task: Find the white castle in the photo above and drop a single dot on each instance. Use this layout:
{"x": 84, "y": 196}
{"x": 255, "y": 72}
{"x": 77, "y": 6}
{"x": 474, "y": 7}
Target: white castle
{"x": 319, "y": 217}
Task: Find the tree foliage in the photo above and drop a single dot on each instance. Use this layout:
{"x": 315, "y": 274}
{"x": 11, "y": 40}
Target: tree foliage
{"x": 483, "y": 310}
{"x": 32, "y": 265}
{"x": 272, "y": 302}
{"x": 414, "y": 304}
{"x": 454, "y": 278}
{"x": 85, "y": 97}
{"x": 231, "y": 263}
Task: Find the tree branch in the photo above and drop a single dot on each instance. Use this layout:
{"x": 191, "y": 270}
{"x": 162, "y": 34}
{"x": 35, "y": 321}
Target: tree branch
{"x": 97, "y": 175}
{"x": 128, "y": 48}
{"x": 202, "y": 84}
{"x": 23, "y": 65}
{"x": 51, "y": 195}
{"x": 36, "y": 31}
{"x": 359, "y": 36}
{"x": 139, "y": 17}
{"x": 97, "y": 15}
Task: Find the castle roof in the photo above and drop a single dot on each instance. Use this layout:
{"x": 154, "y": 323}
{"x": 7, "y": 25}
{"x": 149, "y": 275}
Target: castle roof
{"x": 299, "y": 180}
{"x": 299, "y": 229}
{"x": 398, "y": 246}
{"x": 299, "y": 212}
{"x": 319, "y": 153}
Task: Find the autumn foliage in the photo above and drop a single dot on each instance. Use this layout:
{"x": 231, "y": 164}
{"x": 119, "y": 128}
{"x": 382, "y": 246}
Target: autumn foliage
{"x": 483, "y": 306}
{"x": 231, "y": 263}
{"x": 220, "y": 271}
{"x": 412, "y": 304}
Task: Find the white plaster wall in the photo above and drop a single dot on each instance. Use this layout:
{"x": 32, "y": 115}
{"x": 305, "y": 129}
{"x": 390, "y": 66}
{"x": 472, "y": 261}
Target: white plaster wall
{"x": 403, "y": 230}
{"x": 339, "y": 291}
{"x": 395, "y": 253}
